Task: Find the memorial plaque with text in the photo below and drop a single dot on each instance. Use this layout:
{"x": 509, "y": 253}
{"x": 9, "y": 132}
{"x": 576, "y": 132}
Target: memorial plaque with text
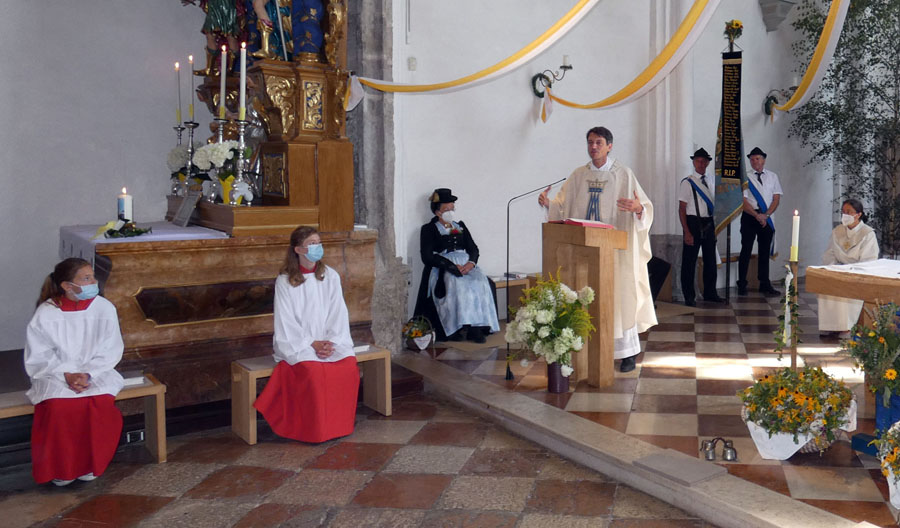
{"x": 730, "y": 146}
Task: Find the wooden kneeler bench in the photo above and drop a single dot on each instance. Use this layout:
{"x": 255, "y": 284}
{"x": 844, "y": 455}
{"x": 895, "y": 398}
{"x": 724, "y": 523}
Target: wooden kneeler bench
{"x": 376, "y": 369}
{"x": 152, "y": 391}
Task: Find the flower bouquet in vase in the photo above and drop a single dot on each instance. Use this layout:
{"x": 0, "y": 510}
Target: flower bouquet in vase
{"x": 876, "y": 352}
{"x": 223, "y": 157}
{"x": 553, "y": 322}
{"x": 889, "y": 455}
{"x": 797, "y": 410}
{"x": 418, "y": 333}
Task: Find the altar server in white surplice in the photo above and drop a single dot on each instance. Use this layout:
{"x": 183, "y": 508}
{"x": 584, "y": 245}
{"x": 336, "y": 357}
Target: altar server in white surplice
{"x": 72, "y": 345}
{"x": 607, "y": 191}
{"x": 311, "y": 396}
{"x": 851, "y": 242}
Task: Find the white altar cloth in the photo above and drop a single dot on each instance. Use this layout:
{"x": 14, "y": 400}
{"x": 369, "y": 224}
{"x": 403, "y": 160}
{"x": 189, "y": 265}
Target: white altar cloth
{"x": 883, "y": 268}
{"x": 76, "y": 241}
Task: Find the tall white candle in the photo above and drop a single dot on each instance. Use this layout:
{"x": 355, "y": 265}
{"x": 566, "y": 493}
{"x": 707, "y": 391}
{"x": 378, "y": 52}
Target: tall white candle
{"x": 178, "y": 90}
{"x": 222, "y": 74}
{"x": 565, "y": 60}
{"x": 242, "y": 105}
{"x": 125, "y": 206}
{"x": 795, "y": 237}
{"x": 191, "y": 75}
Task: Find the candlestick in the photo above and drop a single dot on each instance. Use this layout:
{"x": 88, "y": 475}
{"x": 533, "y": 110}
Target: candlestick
{"x": 223, "y": 73}
{"x": 239, "y": 165}
{"x": 178, "y": 91}
{"x": 191, "y": 104}
{"x": 795, "y": 237}
{"x": 178, "y": 130}
{"x": 242, "y": 105}
{"x": 190, "y": 125}
{"x": 125, "y": 206}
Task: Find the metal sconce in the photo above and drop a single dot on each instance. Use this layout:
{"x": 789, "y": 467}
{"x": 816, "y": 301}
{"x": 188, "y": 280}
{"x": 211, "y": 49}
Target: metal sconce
{"x": 544, "y": 78}
{"x": 776, "y": 96}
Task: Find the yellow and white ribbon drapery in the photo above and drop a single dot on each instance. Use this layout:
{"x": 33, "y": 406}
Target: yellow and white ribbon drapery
{"x": 520, "y": 58}
{"x": 821, "y": 58}
{"x": 678, "y": 46}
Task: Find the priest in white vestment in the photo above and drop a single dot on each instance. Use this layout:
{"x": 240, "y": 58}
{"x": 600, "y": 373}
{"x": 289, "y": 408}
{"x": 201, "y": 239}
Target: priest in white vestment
{"x": 851, "y": 242}
{"x": 607, "y": 191}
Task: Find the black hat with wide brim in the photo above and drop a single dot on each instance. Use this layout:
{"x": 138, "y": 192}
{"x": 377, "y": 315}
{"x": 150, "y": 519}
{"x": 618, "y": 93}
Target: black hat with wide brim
{"x": 442, "y": 195}
{"x": 701, "y": 153}
{"x": 757, "y": 152}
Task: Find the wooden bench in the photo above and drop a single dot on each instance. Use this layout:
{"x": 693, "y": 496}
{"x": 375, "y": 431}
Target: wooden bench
{"x": 376, "y": 369}
{"x": 152, "y": 391}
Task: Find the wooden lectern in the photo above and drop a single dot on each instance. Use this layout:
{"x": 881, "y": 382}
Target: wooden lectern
{"x": 585, "y": 256}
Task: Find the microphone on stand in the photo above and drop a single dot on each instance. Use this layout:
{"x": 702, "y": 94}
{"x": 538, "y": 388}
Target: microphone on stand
{"x": 506, "y": 276}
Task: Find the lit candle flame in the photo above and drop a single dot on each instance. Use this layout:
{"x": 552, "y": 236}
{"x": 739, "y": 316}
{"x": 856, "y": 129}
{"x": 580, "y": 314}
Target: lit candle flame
{"x": 124, "y": 191}
{"x": 176, "y": 66}
{"x": 796, "y": 212}
{"x": 224, "y": 47}
{"x": 191, "y": 59}
{"x": 243, "y": 45}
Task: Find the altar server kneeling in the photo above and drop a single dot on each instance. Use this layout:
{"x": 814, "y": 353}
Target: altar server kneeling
{"x": 851, "y": 242}
{"x": 72, "y": 345}
{"x": 311, "y": 396}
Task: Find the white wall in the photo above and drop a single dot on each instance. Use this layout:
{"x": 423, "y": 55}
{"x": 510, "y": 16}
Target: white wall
{"x": 88, "y": 92}
{"x": 487, "y": 143}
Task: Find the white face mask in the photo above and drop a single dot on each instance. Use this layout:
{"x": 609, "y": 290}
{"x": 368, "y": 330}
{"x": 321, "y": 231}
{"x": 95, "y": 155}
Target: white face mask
{"x": 847, "y": 219}
{"x": 450, "y": 216}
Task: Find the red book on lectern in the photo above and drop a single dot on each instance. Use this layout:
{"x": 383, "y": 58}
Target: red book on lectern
{"x": 587, "y": 223}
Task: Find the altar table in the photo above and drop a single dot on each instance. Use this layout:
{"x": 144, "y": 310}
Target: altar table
{"x": 876, "y": 281}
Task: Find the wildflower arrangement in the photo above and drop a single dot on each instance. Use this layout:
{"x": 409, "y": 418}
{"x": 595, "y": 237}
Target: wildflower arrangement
{"x": 876, "y": 350}
{"x": 808, "y": 401}
{"x": 889, "y": 452}
{"x": 418, "y": 332}
{"x": 552, "y": 322}
{"x": 733, "y": 29}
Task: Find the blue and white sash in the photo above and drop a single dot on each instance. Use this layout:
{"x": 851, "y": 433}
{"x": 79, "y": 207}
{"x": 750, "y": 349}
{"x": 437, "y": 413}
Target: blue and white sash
{"x": 763, "y": 207}
{"x": 709, "y": 205}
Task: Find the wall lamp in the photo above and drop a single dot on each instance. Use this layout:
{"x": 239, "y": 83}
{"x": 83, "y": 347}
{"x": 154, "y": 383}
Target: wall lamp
{"x": 544, "y": 78}
{"x": 777, "y": 96}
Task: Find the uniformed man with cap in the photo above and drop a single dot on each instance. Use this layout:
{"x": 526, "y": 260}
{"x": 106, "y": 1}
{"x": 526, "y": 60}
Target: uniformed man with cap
{"x": 696, "y": 202}
{"x": 761, "y": 198}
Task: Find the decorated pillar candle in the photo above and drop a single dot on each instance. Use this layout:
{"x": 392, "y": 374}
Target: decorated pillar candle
{"x": 242, "y": 102}
{"x": 223, "y": 72}
{"x": 178, "y": 91}
{"x": 125, "y": 206}
{"x": 795, "y": 237}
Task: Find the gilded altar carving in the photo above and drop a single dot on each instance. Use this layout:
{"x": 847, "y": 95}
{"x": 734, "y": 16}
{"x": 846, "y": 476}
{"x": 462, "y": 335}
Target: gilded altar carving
{"x": 340, "y": 92}
{"x": 337, "y": 12}
{"x": 280, "y": 91}
{"x": 314, "y": 97}
{"x": 273, "y": 174}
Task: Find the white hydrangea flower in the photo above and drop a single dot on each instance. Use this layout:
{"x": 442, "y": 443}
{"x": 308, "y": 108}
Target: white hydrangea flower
{"x": 586, "y": 295}
{"x": 177, "y": 158}
{"x": 543, "y": 332}
{"x": 526, "y": 327}
{"x": 201, "y": 159}
{"x": 568, "y": 294}
{"x": 560, "y": 347}
{"x": 577, "y": 343}
{"x": 568, "y": 334}
{"x": 544, "y": 316}
{"x": 566, "y": 370}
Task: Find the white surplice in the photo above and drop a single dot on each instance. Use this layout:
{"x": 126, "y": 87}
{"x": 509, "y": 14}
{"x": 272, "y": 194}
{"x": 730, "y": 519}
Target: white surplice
{"x": 634, "y": 310}
{"x": 81, "y": 341}
{"x": 847, "y": 246}
{"x": 312, "y": 311}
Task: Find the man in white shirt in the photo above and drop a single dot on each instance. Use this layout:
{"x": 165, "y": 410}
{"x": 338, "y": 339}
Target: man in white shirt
{"x": 761, "y": 198}
{"x": 696, "y": 202}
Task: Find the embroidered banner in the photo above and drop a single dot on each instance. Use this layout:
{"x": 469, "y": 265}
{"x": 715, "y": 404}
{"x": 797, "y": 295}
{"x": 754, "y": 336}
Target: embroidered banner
{"x": 730, "y": 169}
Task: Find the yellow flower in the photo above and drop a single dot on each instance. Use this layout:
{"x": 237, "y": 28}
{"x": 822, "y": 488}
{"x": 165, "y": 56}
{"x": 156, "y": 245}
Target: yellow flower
{"x": 871, "y": 334}
{"x": 884, "y": 472}
{"x": 890, "y": 374}
{"x": 782, "y": 392}
{"x": 852, "y": 343}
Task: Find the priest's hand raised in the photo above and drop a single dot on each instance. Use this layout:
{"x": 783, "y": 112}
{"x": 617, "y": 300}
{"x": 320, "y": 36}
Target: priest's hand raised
{"x": 543, "y": 201}
{"x": 632, "y": 206}
{"x": 324, "y": 349}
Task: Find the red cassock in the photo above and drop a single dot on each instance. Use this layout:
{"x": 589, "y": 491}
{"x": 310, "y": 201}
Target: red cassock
{"x": 311, "y": 401}
{"x": 72, "y": 437}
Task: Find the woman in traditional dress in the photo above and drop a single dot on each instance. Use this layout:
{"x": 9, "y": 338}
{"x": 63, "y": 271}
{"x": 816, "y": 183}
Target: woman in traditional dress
{"x": 72, "y": 345}
{"x": 453, "y": 290}
{"x": 311, "y": 396}
{"x": 851, "y": 242}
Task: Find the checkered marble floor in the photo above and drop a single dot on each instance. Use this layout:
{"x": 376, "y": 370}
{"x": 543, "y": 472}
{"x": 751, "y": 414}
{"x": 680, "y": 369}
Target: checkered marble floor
{"x": 430, "y": 464}
{"x": 683, "y": 392}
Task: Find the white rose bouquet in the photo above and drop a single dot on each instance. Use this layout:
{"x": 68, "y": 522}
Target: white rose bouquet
{"x": 553, "y": 322}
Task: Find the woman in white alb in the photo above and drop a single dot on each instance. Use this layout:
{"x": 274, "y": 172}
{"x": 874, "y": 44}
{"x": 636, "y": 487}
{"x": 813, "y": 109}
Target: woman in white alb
{"x": 851, "y": 242}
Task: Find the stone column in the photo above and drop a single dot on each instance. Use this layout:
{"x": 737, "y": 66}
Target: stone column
{"x": 370, "y": 128}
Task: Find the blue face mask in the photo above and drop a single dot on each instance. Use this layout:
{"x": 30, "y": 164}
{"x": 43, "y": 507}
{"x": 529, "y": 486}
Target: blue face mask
{"x": 314, "y": 252}
{"x": 88, "y": 291}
